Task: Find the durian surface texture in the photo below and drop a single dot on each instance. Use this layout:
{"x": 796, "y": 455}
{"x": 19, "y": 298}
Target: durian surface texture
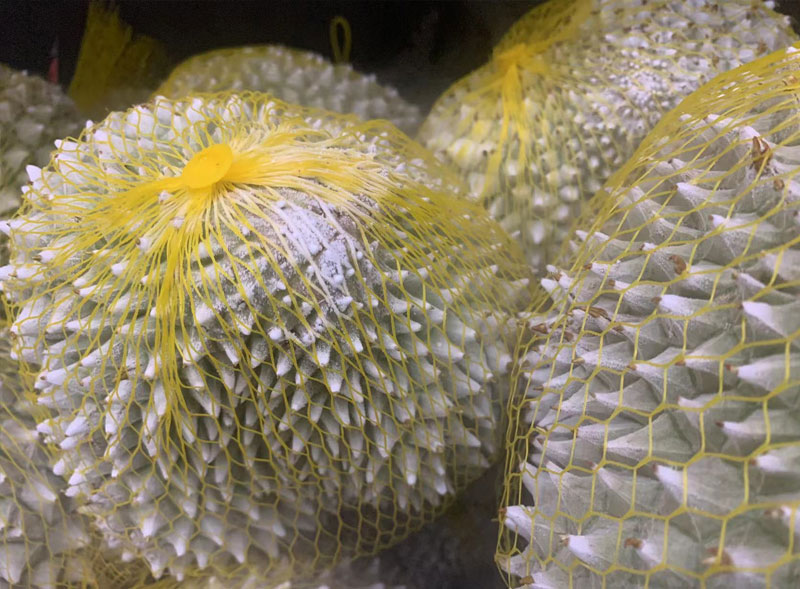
{"x": 292, "y": 75}
{"x": 657, "y": 439}
{"x": 45, "y": 542}
{"x": 40, "y": 529}
{"x": 572, "y": 89}
{"x": 268, "y": 338}
{"x": 33, "y": 113}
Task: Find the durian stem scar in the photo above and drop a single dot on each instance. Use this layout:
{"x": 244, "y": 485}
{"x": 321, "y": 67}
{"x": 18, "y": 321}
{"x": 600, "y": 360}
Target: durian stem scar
{"x": 208, "y": 166}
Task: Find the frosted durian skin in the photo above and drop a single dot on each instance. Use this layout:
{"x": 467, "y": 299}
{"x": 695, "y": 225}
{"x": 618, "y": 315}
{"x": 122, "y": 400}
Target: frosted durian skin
{"x": 299, "y": 77}
{"x": 33, "y": 113}
{"x": 537, "y": 135}
{"x": 340, "y": 366}
{"x": 658, "y": 437}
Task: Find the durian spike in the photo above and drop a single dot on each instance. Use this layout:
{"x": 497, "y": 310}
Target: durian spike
{"x": 116, "y": 67}
{"x": 655, "y": 434}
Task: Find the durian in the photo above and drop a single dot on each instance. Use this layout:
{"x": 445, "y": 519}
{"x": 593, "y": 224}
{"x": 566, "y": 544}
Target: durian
{"x": 270, "y": 337}
{"x": 33, "y": 113}
{"x": 292, "y": 75}
{"x": 572, "y": 89}
{"x": 658, "y": 439}
{"x": 39, "y": 529}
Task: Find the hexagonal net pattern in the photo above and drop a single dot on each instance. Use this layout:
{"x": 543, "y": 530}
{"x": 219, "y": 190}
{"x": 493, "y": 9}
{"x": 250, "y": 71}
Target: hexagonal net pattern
{"x": 570, "y": 92}
{"x": 300, "y": 77}
{"x": 655, "y": 439}
{"x": 267, "y": 338}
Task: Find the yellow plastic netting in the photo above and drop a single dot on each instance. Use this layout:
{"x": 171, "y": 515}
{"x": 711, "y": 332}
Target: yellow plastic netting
{"x": 657, "y": 436}
{"x": 267, "y": 338}
{"x": 572, "y": 89}
{"x": 292, "y": 75}
{"x": 116, "y": 67}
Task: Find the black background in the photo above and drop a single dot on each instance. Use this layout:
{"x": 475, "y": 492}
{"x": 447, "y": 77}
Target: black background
{"x": 420, "y": 47}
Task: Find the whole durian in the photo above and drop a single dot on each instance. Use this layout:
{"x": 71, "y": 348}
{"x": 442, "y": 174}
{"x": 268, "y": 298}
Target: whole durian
{"x": 572, "y": 89}
{"x": 658, "y": 440}
{"x": 292, "y": 75}
{"x": 270, "y": 337}
{"x": 33, "y": 113}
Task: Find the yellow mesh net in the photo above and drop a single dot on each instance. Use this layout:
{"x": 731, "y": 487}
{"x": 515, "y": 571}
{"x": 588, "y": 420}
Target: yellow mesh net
{"x": 572, "y": 89}
{"x": 267, "y": 338}
{"x": 291, "y": 75}
{"x": 656, "y": 438}
{"x": 116, "y": 68}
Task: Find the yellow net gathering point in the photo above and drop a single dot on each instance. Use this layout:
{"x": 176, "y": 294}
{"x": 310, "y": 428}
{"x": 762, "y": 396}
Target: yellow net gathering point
{"x": 208, "y": 166}
{"x": 511, "y": 57}
{"x": 572, "y": 89}
{"x": 656, "y": 441}
{"x": 510, "y": 61}
{"x": 264, "y": 338}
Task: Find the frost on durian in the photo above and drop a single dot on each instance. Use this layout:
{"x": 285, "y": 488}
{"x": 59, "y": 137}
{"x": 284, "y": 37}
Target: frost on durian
{"x": 33, "y": 113}
{"x": 269, "y": 337}
{"x": 572, "y": 89}
{"x": 292, "y": 75}
{"x": 657, "y": 438}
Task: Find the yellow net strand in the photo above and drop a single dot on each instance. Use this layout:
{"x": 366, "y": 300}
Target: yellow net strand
{"x": 341, "y": 52}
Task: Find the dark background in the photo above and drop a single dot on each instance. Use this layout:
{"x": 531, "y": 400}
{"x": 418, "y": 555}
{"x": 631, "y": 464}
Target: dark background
{"x": 420, "y": 47}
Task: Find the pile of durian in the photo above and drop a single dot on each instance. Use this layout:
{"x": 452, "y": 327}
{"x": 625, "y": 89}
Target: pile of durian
{"x": 259, "y": 337}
